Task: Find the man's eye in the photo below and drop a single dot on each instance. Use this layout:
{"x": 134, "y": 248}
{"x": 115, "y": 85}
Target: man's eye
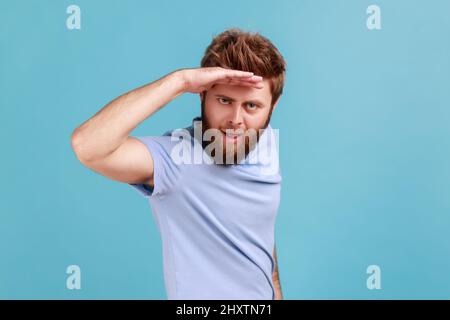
{"x": 251, "y": 106}
{"x": 223, "y": 101}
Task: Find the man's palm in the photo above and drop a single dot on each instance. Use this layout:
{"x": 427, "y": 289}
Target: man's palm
{"x": 201, "y": 79}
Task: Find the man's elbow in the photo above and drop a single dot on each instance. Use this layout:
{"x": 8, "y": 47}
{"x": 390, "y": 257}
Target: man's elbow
{"x": 79, "y": 148}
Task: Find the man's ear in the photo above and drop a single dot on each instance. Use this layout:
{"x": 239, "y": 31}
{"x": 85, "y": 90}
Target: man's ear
{"x": 276, "y": 102}
{"x": 202, "y": 95}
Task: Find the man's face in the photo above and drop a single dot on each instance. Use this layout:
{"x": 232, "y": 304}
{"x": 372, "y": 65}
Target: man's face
{"x": 236, "y": 112}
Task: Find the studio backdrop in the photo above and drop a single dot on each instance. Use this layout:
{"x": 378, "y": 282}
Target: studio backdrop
{"x": 364, "y": 142}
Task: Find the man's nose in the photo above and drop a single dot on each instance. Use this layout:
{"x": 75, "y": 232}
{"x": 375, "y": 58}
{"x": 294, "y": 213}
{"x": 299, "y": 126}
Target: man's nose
{"x": 236, "y": 116}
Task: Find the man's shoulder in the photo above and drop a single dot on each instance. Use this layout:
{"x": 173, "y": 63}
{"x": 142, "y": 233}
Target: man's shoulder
{"x": 179, "y": 132}
{"x": 170, "y": 138}
{"x": 184, "y": 131}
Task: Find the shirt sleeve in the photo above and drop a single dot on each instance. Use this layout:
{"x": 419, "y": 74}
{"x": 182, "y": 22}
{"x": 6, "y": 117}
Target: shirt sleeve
{"x": 162, "y": 167}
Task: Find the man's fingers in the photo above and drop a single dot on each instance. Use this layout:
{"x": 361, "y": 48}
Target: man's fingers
{"x": 245, "y": 81}
{"x": 258, "y": 84}
{"x": 238, "y": 74}
{"x": 238, "y": 77}
{"x": 228, "y": 73}
{"x": 252, "y": 79}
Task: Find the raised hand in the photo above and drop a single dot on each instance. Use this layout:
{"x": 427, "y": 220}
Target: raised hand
{"x": 198, "y": 80}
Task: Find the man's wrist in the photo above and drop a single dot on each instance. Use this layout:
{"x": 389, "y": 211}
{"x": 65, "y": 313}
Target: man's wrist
{"x": 179, "y": 78}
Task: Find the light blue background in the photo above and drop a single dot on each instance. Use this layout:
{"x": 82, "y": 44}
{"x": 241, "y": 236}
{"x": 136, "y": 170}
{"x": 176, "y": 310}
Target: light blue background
{"x": 364, "y": 141}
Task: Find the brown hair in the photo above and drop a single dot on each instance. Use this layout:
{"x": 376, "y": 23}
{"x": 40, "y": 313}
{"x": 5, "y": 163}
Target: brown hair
{"x": 245, "y": 51}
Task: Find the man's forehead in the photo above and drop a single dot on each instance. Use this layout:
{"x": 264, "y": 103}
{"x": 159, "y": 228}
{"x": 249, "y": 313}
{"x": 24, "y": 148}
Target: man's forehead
{"x": 243, "y": 92}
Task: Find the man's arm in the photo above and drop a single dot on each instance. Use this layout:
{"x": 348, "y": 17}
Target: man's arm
{"x": 276, "y": 277}
{"x": 103, "y": 144}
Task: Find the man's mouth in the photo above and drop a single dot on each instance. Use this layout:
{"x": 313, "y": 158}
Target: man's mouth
{"x": 232, "y": 135}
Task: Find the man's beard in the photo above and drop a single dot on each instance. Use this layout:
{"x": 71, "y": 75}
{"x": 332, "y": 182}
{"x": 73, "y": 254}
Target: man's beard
{"x": 230, "y": 154}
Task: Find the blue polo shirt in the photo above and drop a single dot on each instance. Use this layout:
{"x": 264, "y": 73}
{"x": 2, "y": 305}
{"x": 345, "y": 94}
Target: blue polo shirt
{"x": 216, "y": 222}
